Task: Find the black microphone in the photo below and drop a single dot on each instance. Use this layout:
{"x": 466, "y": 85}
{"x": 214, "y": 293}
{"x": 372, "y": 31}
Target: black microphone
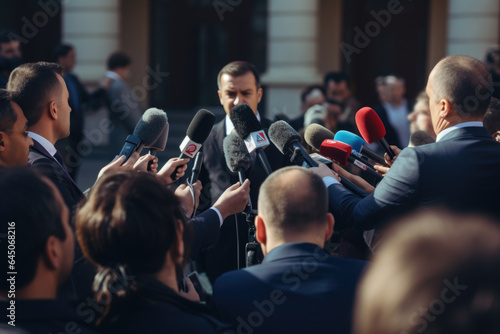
{"x": 248, "y": 127}
{"x": 237, "y": 159}
{"x": 287, "y": 139}
{"x": 159, "y": 145}
{"x": 196, "y": 134}
{"x": 146, "y": 132}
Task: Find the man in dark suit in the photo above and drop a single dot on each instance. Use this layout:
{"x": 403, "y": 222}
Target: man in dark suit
{"x": 460, "y": 169}
{"x": 238, "y": 83}
{"x": 298, "y": 288}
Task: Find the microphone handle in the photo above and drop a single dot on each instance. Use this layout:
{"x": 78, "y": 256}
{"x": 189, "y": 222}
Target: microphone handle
{"x": 195, "y": 172}
{"x": 349, "y": 185}
{"x": 173, "y": 176}
{"x": 132, "y": 143}
{"x": 242, "y": 177}
{"x": 386, "y": 147}
{"x": 358, "y": 163}
{"x": 372, "y": 155}
{"x": 307, "y": 158}
{"x": 264, "y": 161}
{"x": 152, "y": 151}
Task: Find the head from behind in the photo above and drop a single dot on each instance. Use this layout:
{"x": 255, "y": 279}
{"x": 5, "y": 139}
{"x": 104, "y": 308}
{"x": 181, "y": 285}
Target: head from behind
{"x": 14, "y": 139}
{"x": 239, "y": 82}
{"x": 459, "y": 90}
{"x": 293, "y": 207}
{"x": 40, "y": 91}
{"x": 131, "y": 224}
{"x": 35, "y": 225}
{"x": 436, "y": 272}
{"x": 120, "y": 63}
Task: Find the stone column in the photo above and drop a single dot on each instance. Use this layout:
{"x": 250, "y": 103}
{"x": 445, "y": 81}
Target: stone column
{"x": 292, "y": 54}
{"x": 472, "y": 27}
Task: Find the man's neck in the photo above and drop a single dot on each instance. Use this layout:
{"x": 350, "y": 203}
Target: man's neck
{"x": 312, "y": 238}
{"x": 44, "y": 131}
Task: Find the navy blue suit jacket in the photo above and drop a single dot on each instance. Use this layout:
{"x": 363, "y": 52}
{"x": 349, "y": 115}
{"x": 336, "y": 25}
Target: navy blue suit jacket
{"x": 462, "y": 170}
{"x": 298, "y": 288}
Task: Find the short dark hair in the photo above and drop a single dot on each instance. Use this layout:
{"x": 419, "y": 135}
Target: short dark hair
{"x": 118, "y": 60}
{"x": 289, "y": 209}
{"x": 309, "y": 90}
{"x": 7, "y": 114}
{"x": 62, "y": 50}
{"x": 462, "y": 80}
{"x": 29, "y": 205}
{"x": 239, "y": 68}
{"x": 337, "y": 77}
{"x": 491, "y": 119}
{"x": 130, "y": 220}
{"x": 31, "y": 85}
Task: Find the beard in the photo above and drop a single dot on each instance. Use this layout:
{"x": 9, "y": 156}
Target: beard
{"x": 9, "y": 64}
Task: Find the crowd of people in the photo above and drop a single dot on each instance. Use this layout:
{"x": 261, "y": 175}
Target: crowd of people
{"x": 416, "y": 251}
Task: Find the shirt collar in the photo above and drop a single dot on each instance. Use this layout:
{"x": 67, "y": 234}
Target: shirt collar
{"x": 458, "y": 126}
{"x": 47, "y": 145}
{"x": 230, "y": 125}
{"x": 112, "y": 75}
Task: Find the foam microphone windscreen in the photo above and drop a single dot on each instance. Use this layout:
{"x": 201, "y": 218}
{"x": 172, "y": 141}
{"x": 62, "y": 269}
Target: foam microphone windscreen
{"x": 236, "y": 153}
{"x": 283, "y": 135}
{"x": 420, "y": 137}
{"x": 200, "y": 126}
{"x": 315, "y": 134}
{"x": 244, "y": 120}
{"x": 350, "y": 138}
{"x": 336, "y": 151}
{"x": 150, "y": 126}
{"x": 370, "y": 125}
{"x": 161, "y": 142}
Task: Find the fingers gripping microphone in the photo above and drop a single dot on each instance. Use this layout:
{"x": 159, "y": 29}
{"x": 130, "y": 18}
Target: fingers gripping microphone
{"x": 372, "y": 129}
{"x": 342, "y": 153}
{"x": 159, "y": 145}
{"x": 146, "y": 132}
{"x": 248, "y": 128}
{"x": 196, "y": 134}
{"x": 357, "y": 144}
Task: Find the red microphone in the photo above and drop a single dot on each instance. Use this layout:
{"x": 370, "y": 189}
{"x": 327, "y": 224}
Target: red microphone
{"x": 372, "y": 129}
{"x": 341, "y": 153}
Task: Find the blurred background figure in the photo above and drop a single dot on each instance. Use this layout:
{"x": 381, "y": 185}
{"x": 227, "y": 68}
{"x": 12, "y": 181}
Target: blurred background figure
{"x": 10, "y": 55}
{"x": 380, "y": 87}
{"x": 125, "y": 108}
{"x": 493, "y": 64}
{"x": 492, "y": 119}
{"x": 311, "y": 96}
{"x": 80, "y": 100}
{"x": 437, "y": 272}
{"x": 337, "y": 87}
{"x": 420, "y": 117}
{"x": 394, "y": 112}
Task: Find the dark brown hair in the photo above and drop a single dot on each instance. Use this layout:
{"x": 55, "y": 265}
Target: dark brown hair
{"x": 239, "y": 68}
{"x": 7, "y": 114}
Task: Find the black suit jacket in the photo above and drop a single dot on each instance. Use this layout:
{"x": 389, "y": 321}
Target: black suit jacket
{"x": 462, "y": 170}
{"x": 391, "y": 134}
{"x": 48, "y": 165}
{"x": 216, "y": 178}
{"x": 298, "y": 288}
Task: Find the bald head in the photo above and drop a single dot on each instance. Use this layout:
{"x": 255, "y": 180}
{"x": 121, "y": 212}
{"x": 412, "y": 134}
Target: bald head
{"x": 464, "y": 82}
{"x": 293, "y": 200}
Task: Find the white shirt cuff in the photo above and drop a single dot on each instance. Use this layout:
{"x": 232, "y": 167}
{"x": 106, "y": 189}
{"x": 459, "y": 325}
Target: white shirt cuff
{"x": 329, "y": 180}
{"x": 218, "y": 214}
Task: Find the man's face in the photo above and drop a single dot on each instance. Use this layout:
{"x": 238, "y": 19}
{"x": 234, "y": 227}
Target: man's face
{"x": 69, "y": 61}
{"x": 313, "y": 98}
{"x": 10, "y": 55}
{"x": 62, "y": 101}
{"x": 337, "y": 90}
{"x": 17, "y": 142}
{"x": 395, "y": 92}
{"x": 333, "y": 116}
{"x": 237, "y": 90}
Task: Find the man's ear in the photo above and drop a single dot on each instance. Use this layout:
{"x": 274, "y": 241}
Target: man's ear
{"x": 444, "y": 108}
{"x": 219, "y": 92}
{"x": 330, "y": 222}
{"x": 53, "y": 253}
{"x": 260, "y": 230}
{"x": 496, "y": 135}
{"x": 3, "y": 139}
{"x": 53, "y": 111}
{"x": 259, "y": 94}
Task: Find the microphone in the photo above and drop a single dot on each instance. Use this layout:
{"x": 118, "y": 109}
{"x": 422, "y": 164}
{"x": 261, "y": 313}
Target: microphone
{"x": 372, "y": 129}
{"x": 196, "y": 134}
{"x": 159, "y": 145}
{"x": 287, "y": 140}
{"x": 357, "y": 144}
{"x": 342, "y": 153}
{"x": 421, "y": 137}
{"x": 147, "y": 130}
{"x": 315, "y": 134}
{"x": 237, "y": 159}
{"x": 248, "y": 128}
